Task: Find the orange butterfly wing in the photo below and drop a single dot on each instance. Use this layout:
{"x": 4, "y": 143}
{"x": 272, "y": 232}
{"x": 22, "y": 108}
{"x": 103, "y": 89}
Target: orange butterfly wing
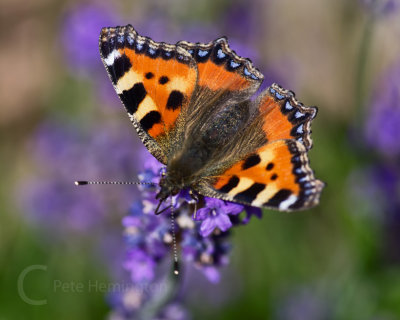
{"x": 155, "y": 82}
{"x": 284, "y": 117}
{"x": 222, "y": 76}
{"x": 277, "y": 173}
{"x": 277, "y": 176}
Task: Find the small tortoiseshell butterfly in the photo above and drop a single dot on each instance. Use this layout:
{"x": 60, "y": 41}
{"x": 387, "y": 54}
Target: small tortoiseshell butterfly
{"x": 190, "y": 104}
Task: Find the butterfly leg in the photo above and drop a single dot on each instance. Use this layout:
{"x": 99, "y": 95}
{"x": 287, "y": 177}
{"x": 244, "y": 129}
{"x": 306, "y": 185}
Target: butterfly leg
{"x": 196, "y": 199}
{"x": 158, "y": 207}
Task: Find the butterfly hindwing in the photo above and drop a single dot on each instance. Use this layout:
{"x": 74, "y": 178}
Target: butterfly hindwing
{"x": 155, "y": 82}
{"x": 277, "y": 175}
{"x": 284, "y": 117}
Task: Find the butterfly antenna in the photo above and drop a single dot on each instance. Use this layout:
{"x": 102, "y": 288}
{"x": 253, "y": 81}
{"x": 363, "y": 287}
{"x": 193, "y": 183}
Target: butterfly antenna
{"x": 83, "y": 183}
{"x": 175, "y": 251}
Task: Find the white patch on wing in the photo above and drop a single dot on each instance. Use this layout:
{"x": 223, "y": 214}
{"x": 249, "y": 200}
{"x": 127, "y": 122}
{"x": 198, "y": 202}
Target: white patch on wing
{"x": 145, "y": 107}
{"x": 299, "y": 129}
{"x": 264, "y": 195}
{"x": 178, "y": 83}
{"x": 305, "y": 178}
{"x": 111, "y": 57}
{"x": 244, "y": 183}
{"x": 202, "y": 53}
{"x": 298, "y": 115}
{"x": 266, "y": 155}
{"x": 284, "y": 205}
{"x": 128, "y": 80}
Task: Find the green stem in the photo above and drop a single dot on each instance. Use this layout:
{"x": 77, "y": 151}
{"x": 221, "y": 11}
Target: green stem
{"x": 362, "y": 68}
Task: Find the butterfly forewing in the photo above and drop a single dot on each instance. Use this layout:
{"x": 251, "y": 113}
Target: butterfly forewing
{"x": 222, "y": 76}
{"x": 155, "y": 82}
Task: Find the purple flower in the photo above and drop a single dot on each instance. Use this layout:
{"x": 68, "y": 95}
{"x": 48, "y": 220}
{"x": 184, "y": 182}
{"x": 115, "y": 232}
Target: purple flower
{"x": 140, "y": 265}
{"x": 125, "y": 303}
{"x": 375, "y": 194}
{"x": 80, "y": 32}
{"x": 55, "y": 206}
{"x": 212, "y": 274}
{"x": 380, "y": 7}
{"x": 129, "y": 305}
{"x": 382, "y": 129}
{"x": 152, "y": 169}
{"x": 251, "y": 211}
{"x": 375, "y": 188}
{"x": 215, "y": 215}
{"x": 240, "y": 19}
{"x": 241, "y": 23}
{"x": 61, "y": 153}
{"x": 173, "y": 311}
{"x": 304, "y": 304}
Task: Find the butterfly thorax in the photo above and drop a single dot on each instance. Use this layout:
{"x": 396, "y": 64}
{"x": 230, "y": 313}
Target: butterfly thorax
{"x": 185, "y": 167}
{"x": 182, "y": 171}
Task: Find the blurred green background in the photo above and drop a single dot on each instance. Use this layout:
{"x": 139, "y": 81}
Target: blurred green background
{"x": 60, "y": 120}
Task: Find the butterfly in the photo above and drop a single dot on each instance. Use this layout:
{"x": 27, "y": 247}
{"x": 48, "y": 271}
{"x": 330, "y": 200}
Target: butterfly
{"x": 191, "y": 105}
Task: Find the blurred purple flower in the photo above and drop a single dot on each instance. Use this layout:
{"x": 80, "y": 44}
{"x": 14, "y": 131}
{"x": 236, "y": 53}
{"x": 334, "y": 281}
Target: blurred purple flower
{"x": 243, "y": 46}
{"x": 200, "y": 32}
{"x": 141, "y": 304}
{"x": 387, "y": 179}
{"x": 382, "y": 129}
{"x": 375, "y": 190}
{"x": 242, "y": 21}
{"x": 392, "y": 234}
{"x": 158, "y": 27}
{"x": 54, "y": 206}
{"x": 125, "y": 303}
{"x": 80, "y": 33}
{"x": 141, "y": 264}
{"x": 61, "y": 153}
{"x": 380, "y": 7}
{"x": 372, "y": 189}
{"x": 303, "y": 304}
{"x": 173, "y": 311}
{"x": 80, "y": 30}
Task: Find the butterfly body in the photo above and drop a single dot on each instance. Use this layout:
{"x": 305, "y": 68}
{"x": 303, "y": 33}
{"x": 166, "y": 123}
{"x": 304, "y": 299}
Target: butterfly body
{"x": 187, "y": 167}
{"x": 191, "y": 106}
